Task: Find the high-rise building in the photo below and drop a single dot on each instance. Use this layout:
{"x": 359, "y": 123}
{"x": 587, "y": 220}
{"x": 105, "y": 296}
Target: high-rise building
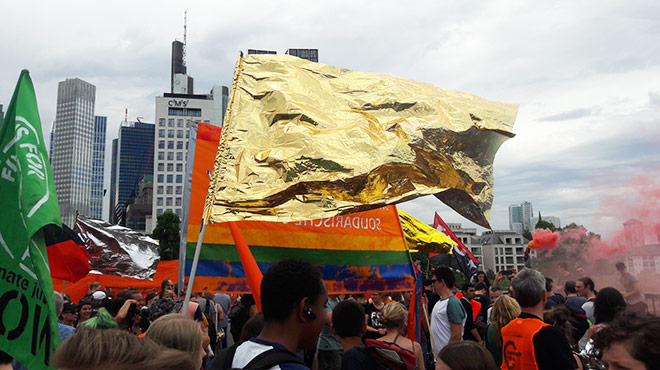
{"x": 174, "y": 113}
{"x": 133, "y": 163}
{"x": 73, "y": 142}
{"x": 112, "y": 216}
{"x": 181, "y": 83}
{"x": 309, "y": 54}
{"x": 98, "y": 165}
{"x": 139, "y": 210}
{"x": 520, "y": 217}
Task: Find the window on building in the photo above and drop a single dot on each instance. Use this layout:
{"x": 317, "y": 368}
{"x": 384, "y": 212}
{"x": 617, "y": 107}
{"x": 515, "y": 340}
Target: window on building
{"x": 170, "y": 133}
{"x": 170, "y": 122}
{"x": 187, "y": 123}
{"x": 177, "y": 202}
{"x": 170, "y": 167}
{"x": 161, "y": 167}
{"x": 161, "y": 144}
{"x": 519, "y": 250}
{"x": 179, "y": 144}
{"x": 170, "y": 179}
{"x": 193, "y": 112}
{"x": 159, "y": 189}
{"x": 179, "y": 189}
{"x": 187, "y": 134}
{"x": 169, "y": 190}
{"x": 170, "y": 144}
{"x": 176, "y": 111}
{"x": 179, "y": 167}
{"x": 170, "y": 156}
{"x": 179, "y": 179}
{"x": 178, "y": 212}
{"x": 161, "y": 178}
{"x": 179, "y": 134}
{"x": 179, "y": 156}
{"x": 168, "y": 202}
{"x": 159, "y": 201}
{"x": 159, "y": 211}
{"x": 179, "y": 122}
{"x": 161, "y": 122}
{"x": 207, "y": 121}
{"x": 161, "y": 133}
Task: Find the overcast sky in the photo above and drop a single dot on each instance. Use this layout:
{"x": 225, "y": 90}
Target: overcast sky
{"x": 586, "y": 75}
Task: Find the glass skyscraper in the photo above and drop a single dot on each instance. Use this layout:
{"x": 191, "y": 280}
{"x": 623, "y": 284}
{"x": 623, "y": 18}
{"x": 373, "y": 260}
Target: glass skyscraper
{"x": 73, "y": 141}
{"x": 98, "y": 164}
{"x": 134, "y": 161}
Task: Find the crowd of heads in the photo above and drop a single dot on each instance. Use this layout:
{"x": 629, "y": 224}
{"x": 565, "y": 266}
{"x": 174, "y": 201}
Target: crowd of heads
{"x": 148, "y": 330}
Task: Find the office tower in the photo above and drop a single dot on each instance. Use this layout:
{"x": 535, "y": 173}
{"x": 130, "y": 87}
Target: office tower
{"x": 98, "y": 165}
{"x": 520, "y": 217}
{"x": 133, "y": 163}
{"x": 181, "y": 83}
{"x": 174, "y": 113}
{"x": 309, "y": 54}
{"x": 73, "y": 142}
{"x": 112, "y": 216}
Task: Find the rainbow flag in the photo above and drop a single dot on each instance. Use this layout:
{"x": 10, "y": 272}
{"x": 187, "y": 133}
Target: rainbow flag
{"x": 360, "y": 252}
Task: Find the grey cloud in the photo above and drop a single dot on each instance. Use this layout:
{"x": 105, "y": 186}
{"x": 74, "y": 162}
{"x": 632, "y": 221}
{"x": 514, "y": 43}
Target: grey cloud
{"x": 571, "y": 114}
{"x": 654, "y": 98}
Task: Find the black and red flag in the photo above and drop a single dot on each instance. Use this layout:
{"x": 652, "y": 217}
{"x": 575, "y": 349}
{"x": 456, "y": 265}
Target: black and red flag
{"x": 67, "y": 254}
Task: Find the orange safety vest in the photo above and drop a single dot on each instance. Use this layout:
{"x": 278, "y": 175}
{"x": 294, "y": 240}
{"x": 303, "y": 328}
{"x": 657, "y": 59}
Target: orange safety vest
{"x": 517, "y": 344}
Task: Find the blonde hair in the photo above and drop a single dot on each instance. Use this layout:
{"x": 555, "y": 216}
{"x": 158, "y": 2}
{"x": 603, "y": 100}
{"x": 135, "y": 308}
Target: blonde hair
{"x": 177, "y": 332}
{"x": 505, "y": 309}
{"x": 114, "y": 349}
{"x": 393, "y": 315}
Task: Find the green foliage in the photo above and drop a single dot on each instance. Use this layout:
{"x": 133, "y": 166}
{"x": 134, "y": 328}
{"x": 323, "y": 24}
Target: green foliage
{"x": 491, "y": 275}
{"x": 544, "y": 225}
{"x": 427, "y": 265}
{"x": 168, "y": 235}
{"x": 527, "y": 235}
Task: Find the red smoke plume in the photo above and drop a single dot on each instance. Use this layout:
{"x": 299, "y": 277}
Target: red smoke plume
{"x": 543, "y": 238}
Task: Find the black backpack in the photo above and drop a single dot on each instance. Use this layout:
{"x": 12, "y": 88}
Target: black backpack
{"x": 263, "y": 361}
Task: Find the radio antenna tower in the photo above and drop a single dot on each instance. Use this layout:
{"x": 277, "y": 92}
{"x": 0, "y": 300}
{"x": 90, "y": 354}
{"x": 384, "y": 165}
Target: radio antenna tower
{"x": 185, "y": 19}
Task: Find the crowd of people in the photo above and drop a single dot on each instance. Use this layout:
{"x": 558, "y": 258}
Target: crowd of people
{"x": 528, "y": 323}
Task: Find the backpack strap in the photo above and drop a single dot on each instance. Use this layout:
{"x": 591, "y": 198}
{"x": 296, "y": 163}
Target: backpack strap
{"x": 275, "y": 356}
{"x": 224, "y": 359}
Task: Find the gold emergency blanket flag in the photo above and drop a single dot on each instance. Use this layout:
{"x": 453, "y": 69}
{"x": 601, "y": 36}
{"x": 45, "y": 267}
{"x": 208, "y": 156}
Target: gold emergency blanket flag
{"x": 304, "y": 140}
{"x": 422, "y": 237}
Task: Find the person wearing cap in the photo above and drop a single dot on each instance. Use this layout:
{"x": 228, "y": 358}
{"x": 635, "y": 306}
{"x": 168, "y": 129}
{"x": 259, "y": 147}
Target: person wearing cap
{"x": 69, "y": 313}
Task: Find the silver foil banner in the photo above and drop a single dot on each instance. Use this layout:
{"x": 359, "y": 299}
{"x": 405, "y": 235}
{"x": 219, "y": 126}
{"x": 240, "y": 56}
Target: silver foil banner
{"x": 117, "y": 250}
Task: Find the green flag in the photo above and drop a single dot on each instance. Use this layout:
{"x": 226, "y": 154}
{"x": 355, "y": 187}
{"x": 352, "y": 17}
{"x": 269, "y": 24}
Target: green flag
{"x": 28, "y": 323}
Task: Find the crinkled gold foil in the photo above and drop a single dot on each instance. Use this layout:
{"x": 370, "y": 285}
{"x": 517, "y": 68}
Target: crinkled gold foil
{"x": 304, "y": 140}
{"x": 422, "y": 237}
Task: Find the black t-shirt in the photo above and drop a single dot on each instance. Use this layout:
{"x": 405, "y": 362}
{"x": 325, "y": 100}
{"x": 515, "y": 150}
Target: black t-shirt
{"x": 469, "y": 320}
{"x": 551, "y": 348}
{"x": 373, "y": 320}
{"x": 357, "y": 358}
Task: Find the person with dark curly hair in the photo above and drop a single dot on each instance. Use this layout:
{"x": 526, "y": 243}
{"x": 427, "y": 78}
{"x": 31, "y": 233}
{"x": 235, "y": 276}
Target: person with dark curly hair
{"x": 631, "y": 342}
{"x": 293, "y": 299}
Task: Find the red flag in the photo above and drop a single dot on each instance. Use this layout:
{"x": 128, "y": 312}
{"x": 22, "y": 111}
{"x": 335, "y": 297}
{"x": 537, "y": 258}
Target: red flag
{"x": 67, "y": 255}
{"x": 252, "y": 271}
{"x": 440, "y": 225}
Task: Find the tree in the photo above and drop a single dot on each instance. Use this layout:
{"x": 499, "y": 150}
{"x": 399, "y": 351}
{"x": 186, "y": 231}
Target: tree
{"x": 545, "y": 225}
{"x": 527, "y": 235}
{"x": 168, "y": 235}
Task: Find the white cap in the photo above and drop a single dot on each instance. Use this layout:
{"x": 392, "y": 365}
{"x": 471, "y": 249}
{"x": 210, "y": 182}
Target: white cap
{"x": 99, "y": 294}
